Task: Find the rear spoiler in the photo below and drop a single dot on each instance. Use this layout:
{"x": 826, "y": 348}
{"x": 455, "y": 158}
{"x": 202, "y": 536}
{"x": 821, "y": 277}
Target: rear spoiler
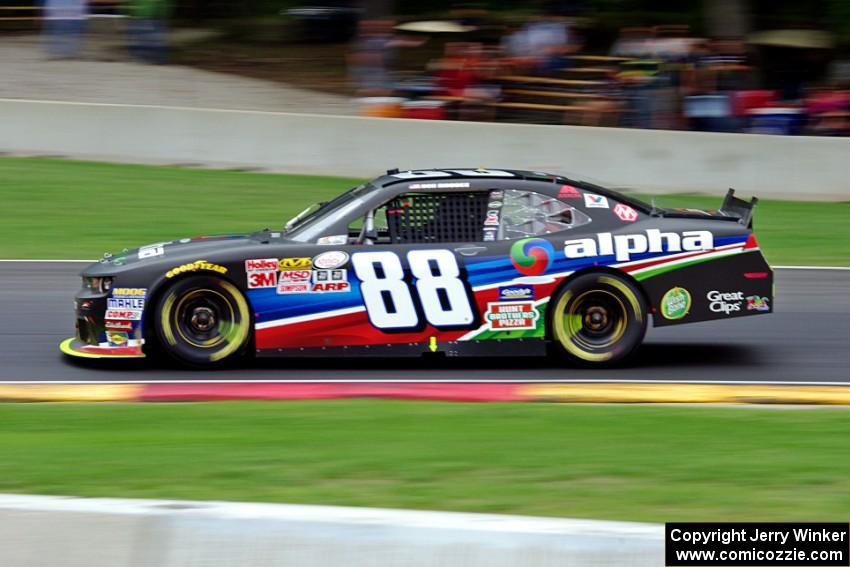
{"x": 735, "y": 207}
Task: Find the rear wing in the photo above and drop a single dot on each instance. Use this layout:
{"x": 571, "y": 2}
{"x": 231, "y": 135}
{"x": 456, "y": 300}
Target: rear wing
{"x": 735, "y": 207}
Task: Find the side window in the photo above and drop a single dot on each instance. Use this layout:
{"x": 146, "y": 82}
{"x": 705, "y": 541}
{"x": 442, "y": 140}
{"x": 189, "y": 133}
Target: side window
{"x": 432, "y": 217}
{"x": 527, "y": 213}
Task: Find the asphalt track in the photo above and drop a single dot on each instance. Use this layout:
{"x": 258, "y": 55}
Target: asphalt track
{"x": 807, "y": 339}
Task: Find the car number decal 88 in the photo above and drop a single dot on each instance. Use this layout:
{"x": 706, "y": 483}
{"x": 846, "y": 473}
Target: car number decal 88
{"x": 389, "y": 299}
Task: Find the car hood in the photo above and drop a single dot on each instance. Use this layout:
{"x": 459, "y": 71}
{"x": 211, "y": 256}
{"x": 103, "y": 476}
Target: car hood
{"x": 172, "y": 252}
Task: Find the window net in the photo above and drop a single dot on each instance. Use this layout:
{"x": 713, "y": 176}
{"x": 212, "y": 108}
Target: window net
{"x": 437, "y": 217}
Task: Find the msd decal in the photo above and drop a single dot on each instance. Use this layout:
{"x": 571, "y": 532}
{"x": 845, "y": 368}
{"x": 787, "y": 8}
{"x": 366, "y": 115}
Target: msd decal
{"x": 622, "y": 246}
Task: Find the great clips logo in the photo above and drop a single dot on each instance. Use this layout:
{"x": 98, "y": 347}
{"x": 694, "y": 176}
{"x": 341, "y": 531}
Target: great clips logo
{"x": 623, "y": 246}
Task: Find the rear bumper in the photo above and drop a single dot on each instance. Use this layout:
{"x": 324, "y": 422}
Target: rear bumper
{"x": 77, "y": 348}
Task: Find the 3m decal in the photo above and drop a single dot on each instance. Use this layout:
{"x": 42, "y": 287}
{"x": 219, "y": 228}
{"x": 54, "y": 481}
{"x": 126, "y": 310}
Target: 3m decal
{"x": 511, "y": 316}
{"x": 262, "y": 279}
{"x": 622, "y": 246}
{"x": 727, "y": 302}
{"x": 389, "y": 299}
{"x": 331, "y": 259}
{"x": 532, "y": 256}
{"x": 676, "y": 303}
{"x": 295, "y": 264}
{"x": 593, "y": 201}
{"x": 261, "y": 265}
{"x": 625, "y": 213}
{"x": 197, "y": 265}
{"x": 757, "y": 303}
{"x": 516, "y": 292}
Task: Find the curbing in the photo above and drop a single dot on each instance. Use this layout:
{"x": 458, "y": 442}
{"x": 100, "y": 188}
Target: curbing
{"x": 93, "y": 532}
{"x": 583, "y": 393}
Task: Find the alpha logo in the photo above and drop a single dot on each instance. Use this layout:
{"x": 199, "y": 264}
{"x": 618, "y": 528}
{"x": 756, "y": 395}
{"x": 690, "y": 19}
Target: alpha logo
{"x": 261, "y": 264}
{"x": 516, "y": 293}
{"x": 622, "y": 246}
{"x": 727, "y": 302}
{"x": 676, "y": 303}
{"x": 532, "y": 256}
{"x": 625, "y": 212}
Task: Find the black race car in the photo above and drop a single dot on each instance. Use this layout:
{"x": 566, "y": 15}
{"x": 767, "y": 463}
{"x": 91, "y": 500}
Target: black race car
{"x": 454, "y": 261}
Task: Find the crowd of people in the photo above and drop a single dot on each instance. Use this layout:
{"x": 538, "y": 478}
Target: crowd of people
{"x": 539, "y": 70}
{"x": 65, "y": 21}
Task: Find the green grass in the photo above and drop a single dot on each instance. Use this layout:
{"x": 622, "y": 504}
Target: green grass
{"x": 71, "y": 209}
{"x": 626, "y": 462}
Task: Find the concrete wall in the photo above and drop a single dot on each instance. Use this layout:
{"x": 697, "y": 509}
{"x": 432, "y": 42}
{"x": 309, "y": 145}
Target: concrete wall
{"x": 661, "y": 161}
{"x": 42, "y": 531}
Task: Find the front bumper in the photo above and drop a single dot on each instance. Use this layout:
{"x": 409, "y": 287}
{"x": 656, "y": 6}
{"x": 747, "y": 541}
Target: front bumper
{"x": 76, "y": 347}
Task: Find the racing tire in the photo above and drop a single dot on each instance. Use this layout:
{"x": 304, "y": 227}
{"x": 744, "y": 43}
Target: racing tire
{"x": 597, "y": 320}
{"x": 203, "y": 321}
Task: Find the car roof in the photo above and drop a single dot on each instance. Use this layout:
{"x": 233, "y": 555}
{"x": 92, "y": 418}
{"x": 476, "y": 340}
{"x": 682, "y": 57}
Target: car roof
{"x": 395, "y": 176}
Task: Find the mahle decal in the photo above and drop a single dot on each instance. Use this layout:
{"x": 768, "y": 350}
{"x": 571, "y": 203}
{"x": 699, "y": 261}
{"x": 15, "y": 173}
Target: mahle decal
{"x": 622, "y": 246}
{"x": 676, "y": 303}
{"x": 197, "y": 265}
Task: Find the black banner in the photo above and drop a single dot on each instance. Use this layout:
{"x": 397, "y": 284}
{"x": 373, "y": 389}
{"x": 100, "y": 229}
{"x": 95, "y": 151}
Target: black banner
{"x": 766, "y": 544}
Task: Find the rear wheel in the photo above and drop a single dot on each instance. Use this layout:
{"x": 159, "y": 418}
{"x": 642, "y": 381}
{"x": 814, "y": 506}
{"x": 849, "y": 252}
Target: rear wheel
{"x": 203, "y": 321}
{"x": 598, "y": 319}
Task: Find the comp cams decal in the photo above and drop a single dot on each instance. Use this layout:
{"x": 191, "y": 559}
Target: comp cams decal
{"x": 622, "y": 246}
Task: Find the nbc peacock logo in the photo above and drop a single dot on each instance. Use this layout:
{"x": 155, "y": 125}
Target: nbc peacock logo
{"x": 532, "y": 256}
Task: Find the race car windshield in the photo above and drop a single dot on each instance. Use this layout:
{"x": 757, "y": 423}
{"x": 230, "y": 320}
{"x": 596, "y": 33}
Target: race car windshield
{"x": 311, "y": 223}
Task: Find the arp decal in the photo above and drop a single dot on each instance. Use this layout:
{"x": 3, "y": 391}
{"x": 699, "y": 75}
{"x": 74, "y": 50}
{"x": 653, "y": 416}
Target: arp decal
{"x": 622, "y": 246}
{"x": 532, "y": 256}
{"x": 330, "y": 281}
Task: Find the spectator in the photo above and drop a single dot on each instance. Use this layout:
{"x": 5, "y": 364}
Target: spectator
{"x": 147, "y": 30}
{"x": 64, "y": 21}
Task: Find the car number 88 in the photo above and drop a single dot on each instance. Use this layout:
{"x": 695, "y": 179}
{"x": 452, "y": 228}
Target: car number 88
{"x": 389, "y": 298}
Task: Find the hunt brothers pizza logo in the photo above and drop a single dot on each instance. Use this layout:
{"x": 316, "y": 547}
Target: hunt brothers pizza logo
{"x": 513, "y": 316}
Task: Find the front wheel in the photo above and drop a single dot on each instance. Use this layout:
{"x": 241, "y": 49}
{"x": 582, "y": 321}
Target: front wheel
{"x": 203, "y": 321}
{"x": 598, "y": 319}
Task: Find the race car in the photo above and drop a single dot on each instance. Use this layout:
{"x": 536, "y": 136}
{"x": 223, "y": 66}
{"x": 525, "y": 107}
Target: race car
{"x": 444, "y": 262}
